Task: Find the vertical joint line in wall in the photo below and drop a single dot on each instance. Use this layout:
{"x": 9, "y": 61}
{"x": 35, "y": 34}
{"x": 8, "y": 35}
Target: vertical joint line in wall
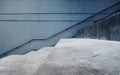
{"x": 70, "y": 11}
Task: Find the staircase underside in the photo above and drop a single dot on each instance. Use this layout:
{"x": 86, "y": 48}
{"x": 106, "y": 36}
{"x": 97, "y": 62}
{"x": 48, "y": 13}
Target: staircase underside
{"x": 68, "y": 57}
{"x": 37, "y": 43}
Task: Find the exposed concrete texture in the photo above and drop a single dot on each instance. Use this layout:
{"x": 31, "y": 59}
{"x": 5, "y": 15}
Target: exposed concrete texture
{"x": 108, "y": 28}
{"x": 24, "y": 20}
{"x": 23, "y": 64}
{"x": 69, "y": 57}
{"x": 83, "y": 57}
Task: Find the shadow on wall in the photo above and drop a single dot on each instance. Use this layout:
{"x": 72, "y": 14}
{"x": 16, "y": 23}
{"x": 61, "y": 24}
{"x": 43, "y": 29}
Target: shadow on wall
{"x": 109, "y": 29}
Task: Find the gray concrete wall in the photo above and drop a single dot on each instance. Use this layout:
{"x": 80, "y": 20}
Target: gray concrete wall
{"x": 108, "y": 28}
{"x": 16, "y": 29}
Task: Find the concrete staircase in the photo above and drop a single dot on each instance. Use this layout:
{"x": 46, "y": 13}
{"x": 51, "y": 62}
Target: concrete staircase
{"x": 68, "y": 57}
{"x": 37, "y": 43}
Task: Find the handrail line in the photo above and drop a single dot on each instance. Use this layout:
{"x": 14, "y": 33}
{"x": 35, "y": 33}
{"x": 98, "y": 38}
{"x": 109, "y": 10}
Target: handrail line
{"x": 58, "y": 32}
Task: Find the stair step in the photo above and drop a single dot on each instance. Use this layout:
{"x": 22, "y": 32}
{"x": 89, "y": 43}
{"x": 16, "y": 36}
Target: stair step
{"x": 82, "y": 57}
{"x": 68, "y": 57}
{"x": 80, "y": 42}
{"x": 23, "y": 64}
